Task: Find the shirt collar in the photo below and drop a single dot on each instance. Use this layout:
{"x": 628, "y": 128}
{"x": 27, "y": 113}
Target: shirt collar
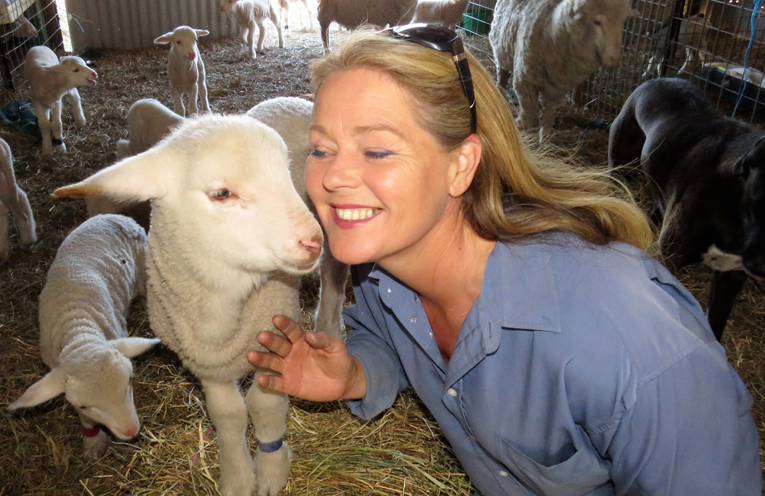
{"x": 518, "y": 289}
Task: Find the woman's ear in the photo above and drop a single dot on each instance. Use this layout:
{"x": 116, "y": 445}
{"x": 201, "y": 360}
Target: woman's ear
{"x": 468, "y": 158}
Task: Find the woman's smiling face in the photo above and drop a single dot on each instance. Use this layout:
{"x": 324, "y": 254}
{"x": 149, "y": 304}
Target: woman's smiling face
{"x": 380, "y": 182}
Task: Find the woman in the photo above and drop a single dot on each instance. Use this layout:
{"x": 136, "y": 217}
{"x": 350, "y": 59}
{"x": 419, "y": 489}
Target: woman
{"x": 512, "y": 295}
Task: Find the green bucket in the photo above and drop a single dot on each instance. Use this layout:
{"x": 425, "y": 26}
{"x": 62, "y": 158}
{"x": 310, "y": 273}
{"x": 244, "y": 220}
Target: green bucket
{"x": 477, "y": 20}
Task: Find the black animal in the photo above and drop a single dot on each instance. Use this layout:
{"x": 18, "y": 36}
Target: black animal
{"x": 707, "y": 177}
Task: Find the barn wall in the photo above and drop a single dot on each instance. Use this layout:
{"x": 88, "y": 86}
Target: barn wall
{"x": 135, "y": 23}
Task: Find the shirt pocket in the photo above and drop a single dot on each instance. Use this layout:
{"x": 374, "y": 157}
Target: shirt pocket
{"x": 580, "y": 474}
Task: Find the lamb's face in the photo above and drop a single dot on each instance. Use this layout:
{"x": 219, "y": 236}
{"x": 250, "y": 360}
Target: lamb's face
{"x": 184, "y": 42}
{"x": 599, "y": 25}
{"x": 77, "y": 71}
{"x": 104, "y": 392}
{"x": 238, "y": 204}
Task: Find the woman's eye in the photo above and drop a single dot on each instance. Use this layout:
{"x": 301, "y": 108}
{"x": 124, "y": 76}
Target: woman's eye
{"x": 378, "y": 154}
{"x": 317, "y": 153}
{"x": 220, "y": 194}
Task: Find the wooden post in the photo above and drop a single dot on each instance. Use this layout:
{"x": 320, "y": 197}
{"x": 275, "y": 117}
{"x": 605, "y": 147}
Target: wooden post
{"x": 52, "y": 25}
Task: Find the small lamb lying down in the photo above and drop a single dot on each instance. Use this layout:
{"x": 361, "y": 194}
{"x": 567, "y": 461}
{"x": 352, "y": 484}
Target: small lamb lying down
{"x": 229, "y": 237}
{"x": 97, "y": 272}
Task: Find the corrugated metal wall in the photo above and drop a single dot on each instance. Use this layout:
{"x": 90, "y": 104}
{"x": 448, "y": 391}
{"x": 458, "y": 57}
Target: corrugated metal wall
{"x": 135, "y": 23}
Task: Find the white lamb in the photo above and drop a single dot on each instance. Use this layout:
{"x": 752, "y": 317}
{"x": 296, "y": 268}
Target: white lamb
{"x": 248, "y": 14}
{"x": 229, "y": 236}
{"x": 284, "y": 13}
{"x": 354, "y": 13}
{"x": 50, "y": 80}
{"x": 291, "y": 117}
{"x": 551, "y": 46}
{"x": 444, "y": 12}
{"x": 148, "y": 122}
{"x": 24, "y": 28}
{"x": 14, "y": 201}
{"x": 97, "y": 272}
{"x": 185, "y": 68}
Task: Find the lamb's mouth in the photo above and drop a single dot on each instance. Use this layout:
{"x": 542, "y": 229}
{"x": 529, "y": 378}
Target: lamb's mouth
{"x": 356, "y": 213}
{"x": 92, "y": 81}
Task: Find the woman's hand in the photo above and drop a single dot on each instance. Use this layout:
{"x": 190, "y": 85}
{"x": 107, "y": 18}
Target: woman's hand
{"x": 312, "y": 366}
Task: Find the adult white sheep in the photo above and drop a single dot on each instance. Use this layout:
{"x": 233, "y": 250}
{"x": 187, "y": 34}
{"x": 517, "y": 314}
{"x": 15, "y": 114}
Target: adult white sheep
{"x": 551, "y": 46}
{"x": 251, "y": 13}
{"x": 185, "y": 68}
{"x": 354, "y": 13}
{"x": 291, "y": 117}
{"x": 49, "y": 81}
{"x": 229, "y": 236}
{"x": 97, "y": 272}
{"x": 444, "y": 12}
{"x": 13, "y": 201}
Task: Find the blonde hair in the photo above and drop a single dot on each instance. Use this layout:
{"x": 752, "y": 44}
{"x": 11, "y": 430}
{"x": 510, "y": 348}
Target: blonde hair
{"x": 514, "y": 194}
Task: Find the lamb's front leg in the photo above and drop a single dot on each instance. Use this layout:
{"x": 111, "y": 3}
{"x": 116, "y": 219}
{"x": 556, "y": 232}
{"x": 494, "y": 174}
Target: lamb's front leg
{"x": 193, "y": 94}
{"x": 43, "y": 121}
{"x": 73, "y": 97}
{"x": 58, "y": 127}
{"x": 94, "y": 440}
{"x": 229, "y": 415}
{"x": 251, "y": 41}
{"x": 268, "y": 410}
{"x": 178, "y": 106}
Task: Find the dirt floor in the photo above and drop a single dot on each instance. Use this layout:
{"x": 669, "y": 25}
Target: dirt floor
{"x": 400, "y": 452}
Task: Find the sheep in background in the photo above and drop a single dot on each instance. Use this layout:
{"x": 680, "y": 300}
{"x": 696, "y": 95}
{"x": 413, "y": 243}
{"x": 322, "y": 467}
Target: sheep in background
{"x": 691, "y": 36}
{"x": 444, "y": 12}
{"x": 284, "y": 13}
{"x": 148, "y": 122}
{"x": 97, "y": 272}
{"x": 354, "y": 13}
{"x": 292, "y": 117}
{"x": 229, "y": 236}
{"x": 49, "y": 81}
{"x": 14, "y": 201}
{"x": 185, "y": 68}
{"x": 248, "y": 14}
{"x": 551, "y": 46}
{"x": 24, "y": 28}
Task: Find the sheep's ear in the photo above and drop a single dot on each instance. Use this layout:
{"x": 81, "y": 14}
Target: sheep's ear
{"x": 43, "y": 390}
{"x": 164, "y": 39}
{"x": 141, "y": 177}
{"x": 132, "y": 347}
{"x": 201, "y": 32}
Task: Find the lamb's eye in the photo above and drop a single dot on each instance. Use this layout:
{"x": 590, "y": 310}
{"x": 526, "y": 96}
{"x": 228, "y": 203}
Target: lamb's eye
{"x": 220, "y": 194}
{"x": 76, "y": 70}
{"x": 82, "y": 407}
{"x": 597, "y": 22}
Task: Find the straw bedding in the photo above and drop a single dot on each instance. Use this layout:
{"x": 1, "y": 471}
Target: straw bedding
{"x": 400, "y": 452}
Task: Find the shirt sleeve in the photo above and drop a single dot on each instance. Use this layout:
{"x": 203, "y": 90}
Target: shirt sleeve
{"x": 368, "y": 340}
{"x": 689, "y": 432}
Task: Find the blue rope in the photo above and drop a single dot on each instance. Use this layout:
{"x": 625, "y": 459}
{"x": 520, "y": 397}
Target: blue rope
{"x": 746, "y": 55}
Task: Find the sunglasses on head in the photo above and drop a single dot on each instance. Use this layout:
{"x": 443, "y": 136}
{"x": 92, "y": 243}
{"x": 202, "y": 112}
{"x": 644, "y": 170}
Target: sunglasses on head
{"x": 442, "y": 39}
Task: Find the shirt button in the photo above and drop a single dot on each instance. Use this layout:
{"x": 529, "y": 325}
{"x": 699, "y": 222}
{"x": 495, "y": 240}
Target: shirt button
{"x": 413, "y": 319}
{"x": 451, "y": 392}
{"x": 388, "y": 290}
{"x": 503, "y": 473}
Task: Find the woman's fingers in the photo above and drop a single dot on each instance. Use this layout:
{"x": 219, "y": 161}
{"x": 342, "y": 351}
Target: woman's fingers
{"x": 265, "y": 361}
{"x": 288, "y": 327}
{"x": 273, "y": 382}
{"x": 275, "y": 343}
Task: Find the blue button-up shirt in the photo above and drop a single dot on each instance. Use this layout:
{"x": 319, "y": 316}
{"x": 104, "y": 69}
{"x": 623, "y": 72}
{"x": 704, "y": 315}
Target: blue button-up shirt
{"x": 579, "y": 370}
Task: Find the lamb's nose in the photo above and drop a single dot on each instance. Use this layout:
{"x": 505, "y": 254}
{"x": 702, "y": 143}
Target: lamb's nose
{"x": 192, "y": 56}
{"x": 313, "y": 245}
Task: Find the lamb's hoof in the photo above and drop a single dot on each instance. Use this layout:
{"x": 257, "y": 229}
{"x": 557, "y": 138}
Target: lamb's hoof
{"x": 272, "y": 470}
{"x": 94, "y": 448}
{"x": 30, "y": 246}
{"x": 58, "y": 149}
{"x": 245, "y": 485}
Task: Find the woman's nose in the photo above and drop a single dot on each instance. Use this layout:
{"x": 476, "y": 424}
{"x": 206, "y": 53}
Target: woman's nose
{"x": 342, "y": 172}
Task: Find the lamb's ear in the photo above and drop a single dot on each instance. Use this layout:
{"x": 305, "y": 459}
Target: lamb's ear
{"x": 201, "y": 32}
{"x": 43, "y": 390}
{"x": 164, "y": 39}
{"x": 137, "y": 178}
{"x": 132, "y": 347}
{"x": 635, "y": 13}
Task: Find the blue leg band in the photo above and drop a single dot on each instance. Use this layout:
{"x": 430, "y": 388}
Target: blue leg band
{"x": 57, "y": 141}
{"x": 270, "y": 447}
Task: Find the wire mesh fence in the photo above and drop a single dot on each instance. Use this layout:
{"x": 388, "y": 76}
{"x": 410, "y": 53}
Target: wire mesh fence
{"x": 24, "y": 24}
{"x": 718, "y": 44}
